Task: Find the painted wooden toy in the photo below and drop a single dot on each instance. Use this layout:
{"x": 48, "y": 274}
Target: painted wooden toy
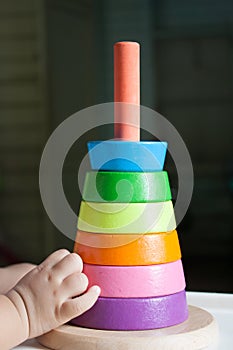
{"x": 135, "y": 313}
{"x": 127, "y": 156}
{"x": 137, "y": 281}
{"x": 117, "y": 218}
{"x": 135, "y": 187}
{"x": 128, "y": 250}
{"x": 128, "y": 241}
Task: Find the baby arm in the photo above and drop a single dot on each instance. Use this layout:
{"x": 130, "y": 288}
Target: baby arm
{"x": 12, "y": 274}
{"x": 45, "y": 298}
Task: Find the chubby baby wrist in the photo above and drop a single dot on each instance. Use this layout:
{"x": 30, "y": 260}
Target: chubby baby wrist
{"x": 19, "y": 305}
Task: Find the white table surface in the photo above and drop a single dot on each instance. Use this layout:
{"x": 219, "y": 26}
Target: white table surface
{"x": 220, "y": 305}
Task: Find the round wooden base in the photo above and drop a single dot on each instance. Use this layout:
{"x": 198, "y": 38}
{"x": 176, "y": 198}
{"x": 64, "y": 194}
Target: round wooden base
{"x": 199, "y": 331}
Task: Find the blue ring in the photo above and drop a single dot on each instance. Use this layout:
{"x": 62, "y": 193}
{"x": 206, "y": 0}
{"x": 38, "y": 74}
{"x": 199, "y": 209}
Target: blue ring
{"x": 127, "y": 155}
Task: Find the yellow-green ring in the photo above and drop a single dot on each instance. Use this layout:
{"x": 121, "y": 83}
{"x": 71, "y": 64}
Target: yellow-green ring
{"x": 128, "y": 218}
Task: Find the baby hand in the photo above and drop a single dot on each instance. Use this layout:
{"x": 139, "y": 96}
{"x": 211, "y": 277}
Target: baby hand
{"x": 53, "y": 293}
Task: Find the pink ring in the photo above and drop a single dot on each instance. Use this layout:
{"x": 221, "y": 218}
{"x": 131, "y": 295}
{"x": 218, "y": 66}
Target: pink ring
{"x": 137, "y": 281}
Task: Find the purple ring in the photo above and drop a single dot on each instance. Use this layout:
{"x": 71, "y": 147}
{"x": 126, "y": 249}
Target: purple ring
{"x": 135, "y": 313}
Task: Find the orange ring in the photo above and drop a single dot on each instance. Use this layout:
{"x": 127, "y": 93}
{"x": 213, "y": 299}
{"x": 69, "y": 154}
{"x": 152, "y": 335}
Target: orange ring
{"x": 128, "y": 250}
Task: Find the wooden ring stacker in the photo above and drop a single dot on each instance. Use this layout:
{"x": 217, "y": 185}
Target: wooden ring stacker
{"x": 128, "y": 218}
{"x": 137, "y": 281}
{"x": 136, "y": 187}
{"x": 199, "y": 331}
{"x": 127, "y": 155}
{"x": 128, "y": 250}
{"x": 135, "y": 313}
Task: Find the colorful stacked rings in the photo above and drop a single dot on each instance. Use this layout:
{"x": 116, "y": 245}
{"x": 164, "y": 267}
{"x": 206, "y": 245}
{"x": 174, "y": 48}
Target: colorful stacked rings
{"x": 128, "y": 241}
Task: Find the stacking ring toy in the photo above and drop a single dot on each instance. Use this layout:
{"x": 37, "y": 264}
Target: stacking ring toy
{"x": 136, "y": 281}
{"x": 135, "y": 313}
{"x": 126, "y": 218}
{"x": 127, "y": 155}
{"x": 136, "y": 187}
{"x": 128, "y": 250}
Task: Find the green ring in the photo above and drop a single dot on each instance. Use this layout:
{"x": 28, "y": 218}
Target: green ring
{"x": 135, "y": 187}
{"x": 128, "y": 218}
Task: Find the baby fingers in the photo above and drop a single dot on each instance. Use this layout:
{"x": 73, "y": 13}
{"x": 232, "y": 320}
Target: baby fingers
{"x": 53, "y": 259}
{"x": 75, "y": 284}
{"x": 77, "y": 306}
{"x": 70, "y": 264}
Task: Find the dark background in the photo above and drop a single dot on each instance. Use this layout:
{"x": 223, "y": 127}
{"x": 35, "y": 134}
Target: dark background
{"x": 56, "y": 57}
